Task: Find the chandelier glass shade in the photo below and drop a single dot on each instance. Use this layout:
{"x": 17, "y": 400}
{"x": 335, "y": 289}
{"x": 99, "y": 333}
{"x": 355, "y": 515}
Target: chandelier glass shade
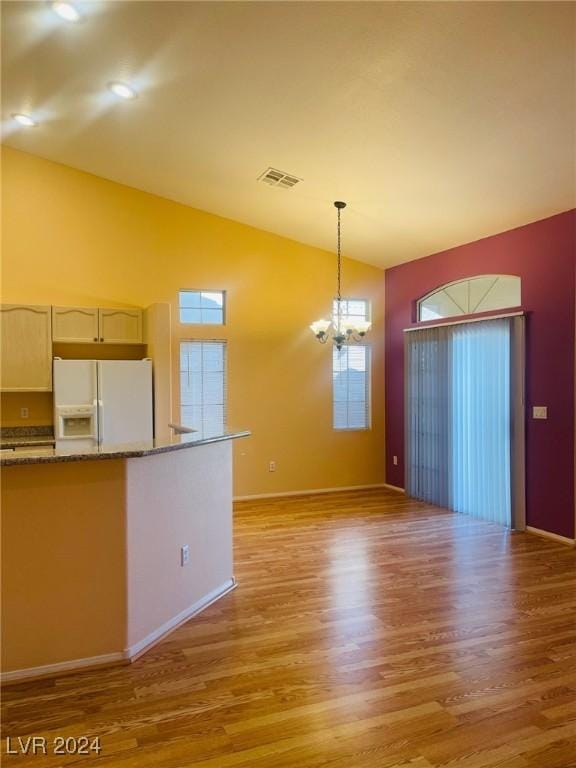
{"x": 340, "y": 329}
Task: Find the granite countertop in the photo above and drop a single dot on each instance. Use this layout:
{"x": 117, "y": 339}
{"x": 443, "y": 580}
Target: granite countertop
{"x": 25, "y": 440}
{"x": 17, "y": 437}
{"x": 39, "y": 455}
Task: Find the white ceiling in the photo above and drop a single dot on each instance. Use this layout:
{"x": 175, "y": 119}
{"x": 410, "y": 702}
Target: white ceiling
{"x": 437, "y": 122}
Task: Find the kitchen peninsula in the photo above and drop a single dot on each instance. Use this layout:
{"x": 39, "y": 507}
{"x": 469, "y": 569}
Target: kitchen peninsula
{"x": 107, "y": 549}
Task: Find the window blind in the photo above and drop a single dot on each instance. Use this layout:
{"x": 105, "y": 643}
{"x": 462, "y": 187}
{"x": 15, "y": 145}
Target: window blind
{"x": 203, "y": 386}
{"x": 351, "y": 387}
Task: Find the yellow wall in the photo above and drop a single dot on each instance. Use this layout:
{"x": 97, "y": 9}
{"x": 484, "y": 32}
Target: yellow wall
{"x": 73, "y": 238}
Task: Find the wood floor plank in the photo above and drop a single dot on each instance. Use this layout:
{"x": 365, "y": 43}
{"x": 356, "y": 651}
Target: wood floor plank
{"x": 367, "y": 629}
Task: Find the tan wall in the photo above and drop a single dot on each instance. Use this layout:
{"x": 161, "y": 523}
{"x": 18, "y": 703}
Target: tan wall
{"x": 73, "y": 238}
{"x": 39, "y": 406}
{"x": 61, "y": 525}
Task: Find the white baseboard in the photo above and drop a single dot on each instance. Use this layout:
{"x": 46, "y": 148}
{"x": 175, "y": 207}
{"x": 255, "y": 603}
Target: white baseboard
{"x": 550, "y": 535}
{"x": 170, "y": 625}
{"x": 73, "y": 665}
{"x": 314, "y": 491}
{"x": 77, "y": 665}
{"x": 394, "y": 488}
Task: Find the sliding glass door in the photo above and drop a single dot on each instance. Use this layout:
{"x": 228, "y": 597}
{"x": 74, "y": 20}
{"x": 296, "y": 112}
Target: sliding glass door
{"x": 464, "y": 418}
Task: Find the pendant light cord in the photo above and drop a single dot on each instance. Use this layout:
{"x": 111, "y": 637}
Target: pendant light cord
{"x": 339, "y": 259}
{"x": 332, "y": 329}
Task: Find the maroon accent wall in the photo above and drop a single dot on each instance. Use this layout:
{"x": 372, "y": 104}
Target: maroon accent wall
{"x": 543, "y": 254}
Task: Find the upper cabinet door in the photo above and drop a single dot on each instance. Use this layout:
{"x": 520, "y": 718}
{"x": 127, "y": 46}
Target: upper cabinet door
{"x": 75, "y": 324}
{"x": 26, "y": 343}
{"x": 121, "y": 326}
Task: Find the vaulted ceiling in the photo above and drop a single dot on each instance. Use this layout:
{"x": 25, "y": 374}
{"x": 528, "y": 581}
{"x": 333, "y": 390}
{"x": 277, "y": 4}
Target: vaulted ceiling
{"x": 438, "y": 122}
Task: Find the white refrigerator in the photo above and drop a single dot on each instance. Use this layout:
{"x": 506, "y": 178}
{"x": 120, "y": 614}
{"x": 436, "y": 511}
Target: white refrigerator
{"x": 102, "y": 402}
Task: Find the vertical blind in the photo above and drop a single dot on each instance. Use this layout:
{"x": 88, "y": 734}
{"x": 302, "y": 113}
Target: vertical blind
{"x": 480, "y": 424}
{"x": 203, "y": 386}
{"x": 460, "y": 413}
{"x": 427, "y": 414}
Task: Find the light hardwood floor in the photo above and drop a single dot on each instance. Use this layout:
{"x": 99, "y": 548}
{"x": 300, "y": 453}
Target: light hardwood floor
{"x": 366, "y": 630}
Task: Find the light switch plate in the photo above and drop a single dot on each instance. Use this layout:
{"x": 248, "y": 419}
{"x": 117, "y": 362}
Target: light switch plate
{"x": 540, "y": 412}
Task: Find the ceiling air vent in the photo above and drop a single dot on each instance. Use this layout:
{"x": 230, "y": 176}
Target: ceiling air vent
{"x": 276, "y": 178}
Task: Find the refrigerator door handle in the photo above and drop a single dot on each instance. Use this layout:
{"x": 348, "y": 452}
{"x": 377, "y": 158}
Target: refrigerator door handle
{"x": 97, "y": 402}
{"x": 96, "y": 427}
{"x": 100, "y": 423}
{"x": 99, "y": 393}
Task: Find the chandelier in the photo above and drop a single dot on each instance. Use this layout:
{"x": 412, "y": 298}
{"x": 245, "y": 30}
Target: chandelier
{"x": 341, "y": 328}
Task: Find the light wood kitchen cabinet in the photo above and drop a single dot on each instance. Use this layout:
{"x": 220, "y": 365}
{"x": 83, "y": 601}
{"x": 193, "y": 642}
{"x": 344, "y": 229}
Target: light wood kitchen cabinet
{"x": 75, "y": 324}
{"x": 114, "y": 325}
{"x": 26, "y": 345}
{"x": 120, "y": 326}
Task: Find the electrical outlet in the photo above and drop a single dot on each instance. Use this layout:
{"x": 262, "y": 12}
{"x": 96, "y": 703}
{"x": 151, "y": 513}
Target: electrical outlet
{"x": 24, "y": 413}
{"x": 395, "y": 461}
{"x": 540, "y": 412}
{"x": 184, "y": 555}
{"x": 272, "y": 466}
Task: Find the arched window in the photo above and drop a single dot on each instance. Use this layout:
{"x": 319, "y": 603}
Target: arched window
{"x": 467, "y": 297}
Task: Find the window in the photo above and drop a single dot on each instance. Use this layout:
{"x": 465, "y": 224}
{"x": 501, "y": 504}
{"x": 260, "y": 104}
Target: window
{"x": 467, "y": 297}
{"x": 351, "y": 371}
{"x": 202, "y": 307}
{"x": 352, "y": 310}
{"x": 351, "y": 387}
{"x": 203, "y": 386}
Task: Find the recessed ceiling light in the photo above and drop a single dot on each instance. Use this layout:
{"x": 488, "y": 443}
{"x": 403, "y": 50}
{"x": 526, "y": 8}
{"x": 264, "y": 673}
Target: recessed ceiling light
{"x": 26, "y": 120}
{"x": 123, "y": 90}
{"x": 66, "y": 11}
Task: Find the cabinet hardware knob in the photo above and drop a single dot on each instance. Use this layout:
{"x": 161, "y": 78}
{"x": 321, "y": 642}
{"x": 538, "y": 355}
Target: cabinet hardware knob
{"x": 101, "y": 338}
{"x": 95, "y": 338}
